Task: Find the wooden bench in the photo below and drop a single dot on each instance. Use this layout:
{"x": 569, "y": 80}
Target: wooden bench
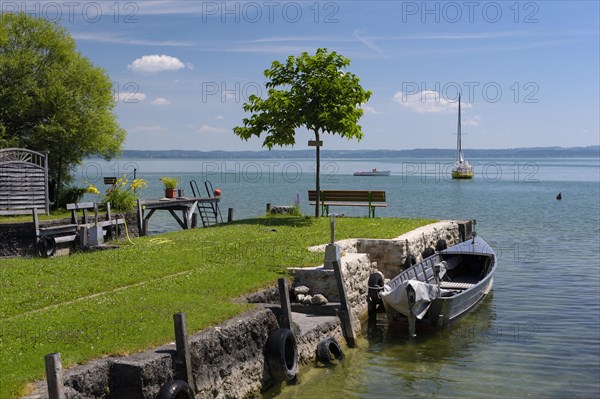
{"x": 371, "y": 199}
{"x": 46, "y": 238}
{"x": 93, "y": 206}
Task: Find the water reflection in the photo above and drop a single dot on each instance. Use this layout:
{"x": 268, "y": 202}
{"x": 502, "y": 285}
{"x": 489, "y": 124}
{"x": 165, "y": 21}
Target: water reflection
{"x": 431, "y": 350}
{"x": 412, "y": 367}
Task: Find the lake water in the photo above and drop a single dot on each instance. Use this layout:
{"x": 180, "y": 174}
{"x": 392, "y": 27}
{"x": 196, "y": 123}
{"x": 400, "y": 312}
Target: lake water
{"x": 537, "y": 335}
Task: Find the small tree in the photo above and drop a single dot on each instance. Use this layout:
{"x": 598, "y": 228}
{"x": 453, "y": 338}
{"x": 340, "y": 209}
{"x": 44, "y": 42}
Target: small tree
{"x": 52, "y": 98}
{"x": 309, "y": 91}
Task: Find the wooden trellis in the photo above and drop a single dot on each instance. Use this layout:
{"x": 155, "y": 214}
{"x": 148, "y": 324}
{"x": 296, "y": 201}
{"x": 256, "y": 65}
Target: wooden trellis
{"x": 23, "y": 181}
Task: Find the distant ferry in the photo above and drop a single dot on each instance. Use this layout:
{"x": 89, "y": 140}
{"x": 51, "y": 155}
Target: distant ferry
{"x": 373, "y": 172}
{"x": 462, "y": 169}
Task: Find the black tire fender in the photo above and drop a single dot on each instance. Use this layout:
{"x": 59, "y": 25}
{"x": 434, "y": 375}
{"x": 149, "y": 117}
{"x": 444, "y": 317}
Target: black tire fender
{"x": 410, "y": 261}
{"x": 375, "y": 284}
{"x": 427, "y": 253}
{"x": 46, "y": 246}
{"x": 175, "y": 390}
{"x": 282, "y": 354}
{"x": 329, "y": 349}
{"x": 441, "y": 245}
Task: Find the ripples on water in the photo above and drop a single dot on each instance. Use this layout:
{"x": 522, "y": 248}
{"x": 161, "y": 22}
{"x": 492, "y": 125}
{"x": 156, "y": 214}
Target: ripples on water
{"x": 537, "y": 335}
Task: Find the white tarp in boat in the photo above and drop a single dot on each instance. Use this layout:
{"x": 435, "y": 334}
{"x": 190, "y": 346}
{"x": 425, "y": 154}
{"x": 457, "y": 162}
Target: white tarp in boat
{"x": 397, "y": 297}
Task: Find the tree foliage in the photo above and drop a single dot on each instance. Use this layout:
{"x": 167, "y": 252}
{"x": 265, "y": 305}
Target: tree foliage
{"x": 52, "y": 98}
{"x": 310, "y": 91}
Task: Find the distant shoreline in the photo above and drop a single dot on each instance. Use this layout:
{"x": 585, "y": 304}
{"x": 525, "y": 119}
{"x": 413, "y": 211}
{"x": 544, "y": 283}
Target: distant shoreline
{"x": 533, "y": 152}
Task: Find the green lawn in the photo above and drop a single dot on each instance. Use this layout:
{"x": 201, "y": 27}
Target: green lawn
{"x": 57, "y": 214}
{"x": 122, "y": 301}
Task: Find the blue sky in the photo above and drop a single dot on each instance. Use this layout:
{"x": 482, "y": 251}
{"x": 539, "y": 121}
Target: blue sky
{"x": 528, "y": 71}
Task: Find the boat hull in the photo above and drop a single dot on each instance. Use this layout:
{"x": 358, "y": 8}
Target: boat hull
{"x": 471, "y": 280}
{"x": 462, "y": 175}
{"x": 462, "y": 170}
{"x": 381, "y": 173}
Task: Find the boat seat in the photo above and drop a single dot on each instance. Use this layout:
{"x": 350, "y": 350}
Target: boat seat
{"x": 452, "y": 285}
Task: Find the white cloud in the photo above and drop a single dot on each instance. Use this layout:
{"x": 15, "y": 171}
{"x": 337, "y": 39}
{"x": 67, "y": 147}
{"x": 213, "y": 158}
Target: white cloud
{"x": 150, "y": 129}
{"x": 370, "y": 110}
{"x": 160, "y": 101}
{"x": 166, "y": 7}
{"x": 211, "y": 129}
{"x": 474, "y": 121}
{"x": 130, "y": 98}
{"x": 428, "y": 101}
{"x": 114, "y": 38}
{"x": 367, "y": 41}
{"x": 156, "y": 63}
{"x": 219, "y": 117}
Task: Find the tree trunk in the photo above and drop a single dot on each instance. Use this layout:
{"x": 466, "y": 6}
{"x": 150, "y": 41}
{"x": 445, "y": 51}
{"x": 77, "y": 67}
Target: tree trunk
{"x": 318, "y": 175}
{"x": 58, "y": 184}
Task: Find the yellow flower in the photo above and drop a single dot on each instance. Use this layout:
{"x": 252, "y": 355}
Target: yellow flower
{"x": 139, "y": 183}
{"x": 122, "y": 182}
{"x": 92, "y": 190}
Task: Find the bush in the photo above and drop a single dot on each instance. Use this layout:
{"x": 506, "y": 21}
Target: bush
{"x": 70, "y": 195}
{"x": 122, "y": 195}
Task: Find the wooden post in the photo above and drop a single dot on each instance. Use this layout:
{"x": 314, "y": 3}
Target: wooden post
{"x": 108, "y": 213}
{"x": 36, "y": 224}
{"x": 144, "y": 231}
{"x": 47, "y": 199}
{"x": 140, "y": 213}
{"x": 284, "y": 301}
{"x": 183, "y": 361}
{"x": 229, "y": 215}
{"x": 268, "y": 208}
{"x": 112, "y": 229}
{"x": 345, "y": 313}
{"x": 54, "y": 376}
{"x": 83, "y": 236}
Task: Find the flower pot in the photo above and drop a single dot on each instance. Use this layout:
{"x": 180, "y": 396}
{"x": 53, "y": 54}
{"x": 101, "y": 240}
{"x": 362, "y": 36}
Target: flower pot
{"x": 171, "y": 192}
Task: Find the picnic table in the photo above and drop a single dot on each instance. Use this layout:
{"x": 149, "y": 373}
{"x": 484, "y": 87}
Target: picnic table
{"x": 188, "y": 206}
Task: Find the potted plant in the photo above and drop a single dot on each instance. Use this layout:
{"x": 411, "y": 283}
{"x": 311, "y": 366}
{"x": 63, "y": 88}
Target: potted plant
{"x": 170, "y": 186}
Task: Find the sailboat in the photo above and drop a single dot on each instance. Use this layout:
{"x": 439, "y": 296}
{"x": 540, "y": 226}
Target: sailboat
{"x": 462, "y": 169}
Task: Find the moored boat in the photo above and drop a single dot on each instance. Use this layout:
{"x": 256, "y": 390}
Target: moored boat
{"x": 462, "y": 169}
{"x": 373, "y": 172}
{"x": 442, "y": 288}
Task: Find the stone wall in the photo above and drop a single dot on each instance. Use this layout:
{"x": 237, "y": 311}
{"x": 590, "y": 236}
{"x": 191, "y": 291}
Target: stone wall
{"x": 356, "y": 269}
{"x": 391, "y": 254}
{"x": 227, "y": 362}
{"x": 361, "y": 257}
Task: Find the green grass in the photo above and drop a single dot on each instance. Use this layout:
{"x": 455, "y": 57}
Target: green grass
{"x": 58, "y": 214}
{"x": 122, "y": 301}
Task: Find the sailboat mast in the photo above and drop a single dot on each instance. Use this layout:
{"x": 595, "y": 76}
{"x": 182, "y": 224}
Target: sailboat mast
{"x": 459, "y": 156}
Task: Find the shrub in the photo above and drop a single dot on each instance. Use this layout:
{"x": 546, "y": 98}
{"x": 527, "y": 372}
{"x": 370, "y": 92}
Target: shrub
{"x": 70, "y": 195}
{"x": 122, "y": 195}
